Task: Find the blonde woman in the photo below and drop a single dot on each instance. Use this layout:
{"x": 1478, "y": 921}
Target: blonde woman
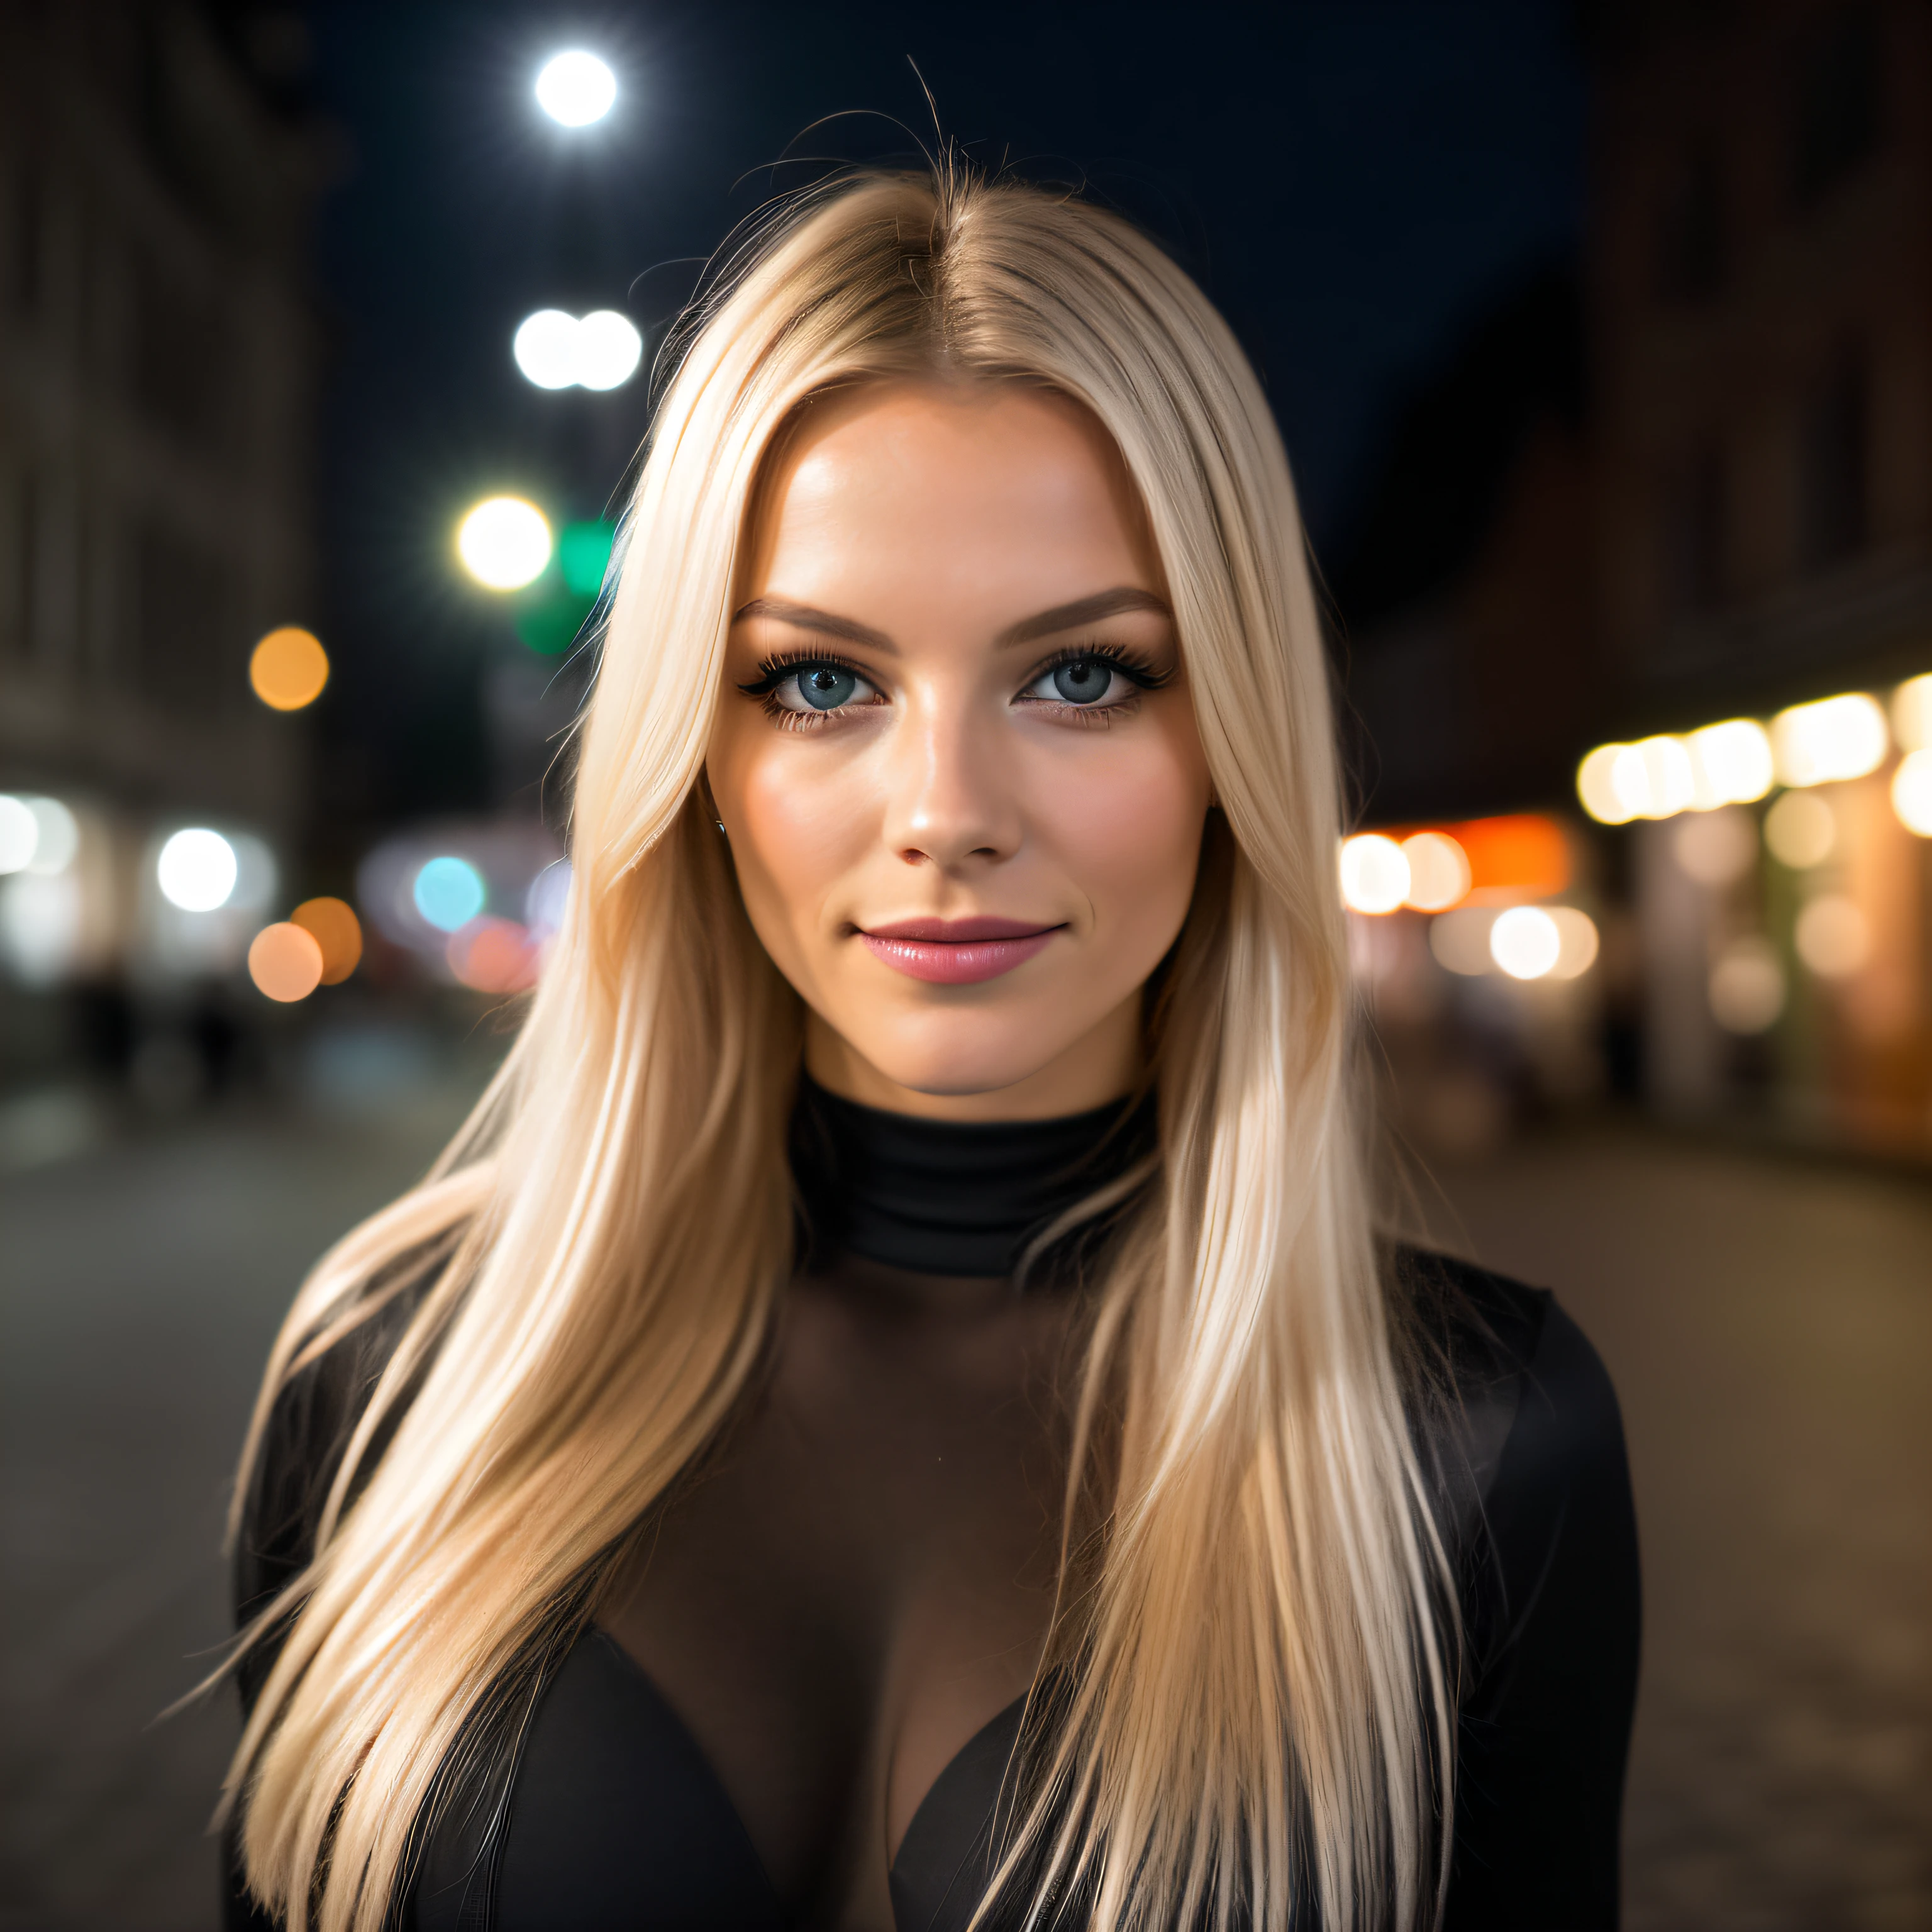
{"x": 893, "y": 1414}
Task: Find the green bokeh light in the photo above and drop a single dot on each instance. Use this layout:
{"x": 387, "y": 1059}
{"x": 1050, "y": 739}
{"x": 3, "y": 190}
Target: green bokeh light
{"x": 583, "y": 551}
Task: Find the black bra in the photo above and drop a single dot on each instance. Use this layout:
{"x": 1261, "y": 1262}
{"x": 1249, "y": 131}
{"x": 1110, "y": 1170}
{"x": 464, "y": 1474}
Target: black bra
{"x": 618, "y": 1823}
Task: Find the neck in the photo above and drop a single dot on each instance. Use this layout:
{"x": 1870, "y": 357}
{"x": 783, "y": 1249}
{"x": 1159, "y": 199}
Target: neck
{"x": 954, "y": 1197}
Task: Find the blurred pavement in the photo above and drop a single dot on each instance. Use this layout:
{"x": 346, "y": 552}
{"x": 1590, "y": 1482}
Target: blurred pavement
{"x": 1768, "y": 1323}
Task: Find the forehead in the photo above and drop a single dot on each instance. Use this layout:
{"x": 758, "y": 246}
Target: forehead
{"x": 1010, "y": 488}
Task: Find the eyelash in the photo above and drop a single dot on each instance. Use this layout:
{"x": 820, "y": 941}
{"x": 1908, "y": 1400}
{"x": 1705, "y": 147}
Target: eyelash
{"x": 773, "y": 670}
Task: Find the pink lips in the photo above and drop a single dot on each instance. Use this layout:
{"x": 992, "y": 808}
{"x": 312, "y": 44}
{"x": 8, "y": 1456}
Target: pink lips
{"x": 956, "y": 952}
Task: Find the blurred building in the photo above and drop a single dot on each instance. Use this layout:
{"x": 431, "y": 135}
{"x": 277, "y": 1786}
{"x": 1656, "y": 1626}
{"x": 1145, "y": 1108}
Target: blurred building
{"x": 1727, "y": 517}
{"x": 160, "y": 351}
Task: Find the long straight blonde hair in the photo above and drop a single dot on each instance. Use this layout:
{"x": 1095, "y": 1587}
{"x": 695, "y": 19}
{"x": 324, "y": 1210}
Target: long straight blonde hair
{"x": 1249, "y": 1715}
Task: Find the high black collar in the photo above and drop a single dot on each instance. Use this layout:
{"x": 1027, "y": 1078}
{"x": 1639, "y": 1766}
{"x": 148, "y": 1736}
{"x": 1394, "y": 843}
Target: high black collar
{"x": 948, "y": 1197}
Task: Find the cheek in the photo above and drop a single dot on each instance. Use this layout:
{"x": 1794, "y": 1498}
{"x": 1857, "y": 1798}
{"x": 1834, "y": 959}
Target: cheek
{"x": 1129, "y": 833}
{"x": 798, "y": 824}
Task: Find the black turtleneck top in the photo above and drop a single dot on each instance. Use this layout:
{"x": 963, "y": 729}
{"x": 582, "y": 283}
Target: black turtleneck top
{"x": 798, "y": 1708}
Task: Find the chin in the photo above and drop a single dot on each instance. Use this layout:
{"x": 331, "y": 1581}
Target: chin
{"x": 949, "y": 1056}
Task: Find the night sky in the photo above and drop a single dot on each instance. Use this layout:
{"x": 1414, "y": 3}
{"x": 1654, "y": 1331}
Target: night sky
{"x": 1356, "y": 183}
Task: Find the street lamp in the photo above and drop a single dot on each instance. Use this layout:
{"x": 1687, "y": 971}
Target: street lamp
{"x": 576, "y": 88}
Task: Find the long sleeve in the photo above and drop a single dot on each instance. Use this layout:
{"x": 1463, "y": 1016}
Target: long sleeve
{"x": 1553, "y": 1616}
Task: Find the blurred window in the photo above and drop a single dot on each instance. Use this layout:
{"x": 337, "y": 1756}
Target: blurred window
{"x": 1692, "y": 534}
{"x": 1837, "y": 119}
{"x": 1833, "y": 438}
{"x": 1690, "y": 238}
{"x": 184, "y": 628}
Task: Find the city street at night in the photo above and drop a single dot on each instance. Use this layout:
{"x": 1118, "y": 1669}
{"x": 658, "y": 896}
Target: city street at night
{"x": 1024, "y": 583}
{"x": 1768, "y": 1323}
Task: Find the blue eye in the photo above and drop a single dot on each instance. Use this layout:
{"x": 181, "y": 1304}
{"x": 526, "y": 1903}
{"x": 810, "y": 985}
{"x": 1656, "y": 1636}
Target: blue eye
{"x": 819, "y": 687}
{"x": 827, "y": 687}
{"x": 1084, "y": 681}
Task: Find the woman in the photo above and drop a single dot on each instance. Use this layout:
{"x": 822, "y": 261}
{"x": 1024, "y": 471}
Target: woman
{"x": 893, "y": 1408}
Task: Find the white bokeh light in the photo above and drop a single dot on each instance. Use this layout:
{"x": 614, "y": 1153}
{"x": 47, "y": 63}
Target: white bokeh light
{"x": 1912, "y": 794}
{"x": 504, "y": 543}
{"x": 557, "y": 350}
{"x": 576, "y": 88}
{"x": 545, "y": 347}
{"x": 19, "y": 833}
{"x": 1375, "y": 873}
{"x": 196, "y": 870}
{"x": 1526, "y": 942}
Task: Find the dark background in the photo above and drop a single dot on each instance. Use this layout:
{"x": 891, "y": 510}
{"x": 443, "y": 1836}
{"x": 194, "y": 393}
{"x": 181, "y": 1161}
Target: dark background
{"x": 1356, "y": 184}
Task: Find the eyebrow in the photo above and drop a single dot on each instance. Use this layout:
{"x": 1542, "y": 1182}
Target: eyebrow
{"x": 803, "y": 617}
{"x": 1028, "y": 630}
{"x": 1084, "y": 610}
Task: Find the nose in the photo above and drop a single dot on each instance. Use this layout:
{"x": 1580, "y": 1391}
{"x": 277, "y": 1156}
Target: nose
{"x": 951, "y": 803}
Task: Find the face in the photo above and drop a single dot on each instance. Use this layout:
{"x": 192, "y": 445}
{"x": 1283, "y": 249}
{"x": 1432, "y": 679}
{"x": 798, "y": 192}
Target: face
{"x": 955, "y": 755}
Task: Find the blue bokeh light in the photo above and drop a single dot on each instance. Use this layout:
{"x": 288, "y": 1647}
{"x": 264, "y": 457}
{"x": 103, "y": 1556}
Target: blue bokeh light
{"x": 449, "y": 893}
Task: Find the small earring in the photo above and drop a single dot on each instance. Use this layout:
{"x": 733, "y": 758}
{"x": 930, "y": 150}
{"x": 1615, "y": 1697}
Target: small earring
{"x": 720, "y": 823}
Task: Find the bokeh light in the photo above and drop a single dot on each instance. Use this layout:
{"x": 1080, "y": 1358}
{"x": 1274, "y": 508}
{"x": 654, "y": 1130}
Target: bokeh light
{"x": 1911, "y": 792}
{"x": 285, "y": 962}
{"x": 608, "y": 350}
{"x": 494, "y": 955}
{"x": 18, "y": 834}
{"x": 196, "y": 870}
{"x": 1438, "y": 871}
{"x": 583, "y": 556}
{"x": 1577, "y": 942}
{"x": 1911, "y": 714}
{"x": 1609, "y": 784}
{"x": 1717, "y": 848}
{"x": 557, "y": 350}
{"x": 544, "y": 902}
{"x": 576, "y": 88}
{"x": 57, "y": 836}
{"x": 1801, "y": 830}
{"x": 504, "y": 543}
{"x": 1525, "y": 942}
{"x": 1375, "y": 873}
{"x": 1833, "y": 937}
{"x": 288, "y": 668}
{"x": 1746, "y": 987}
{"x": 448, "y": 893}
{"x": 1730, "y": 763}
{"x": 545, "y": 347}
{"x": 333, "y": 925}
{"x": 37, "y": 835}
{"x": 1837, "y": 738}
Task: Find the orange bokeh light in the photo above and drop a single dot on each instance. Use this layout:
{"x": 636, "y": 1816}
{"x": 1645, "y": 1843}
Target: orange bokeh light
{"x": 334, "y": 926}
{"x": 289, "y": 668}
{"x": 494, "y": 955}
{"x": 285, "y": 962}
{"x": 1523, "y": 853}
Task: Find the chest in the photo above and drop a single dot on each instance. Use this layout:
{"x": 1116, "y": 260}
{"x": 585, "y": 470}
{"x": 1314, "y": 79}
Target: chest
{"x": 863, "y": 1579}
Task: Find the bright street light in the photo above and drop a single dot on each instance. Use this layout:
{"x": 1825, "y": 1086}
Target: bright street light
{"x": 576, "y": 88}
{"x": 558, "y": 351}
{"x": 504, "y": 543}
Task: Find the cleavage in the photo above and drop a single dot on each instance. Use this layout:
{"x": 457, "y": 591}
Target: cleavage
{"x": 862, "y": 1577}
